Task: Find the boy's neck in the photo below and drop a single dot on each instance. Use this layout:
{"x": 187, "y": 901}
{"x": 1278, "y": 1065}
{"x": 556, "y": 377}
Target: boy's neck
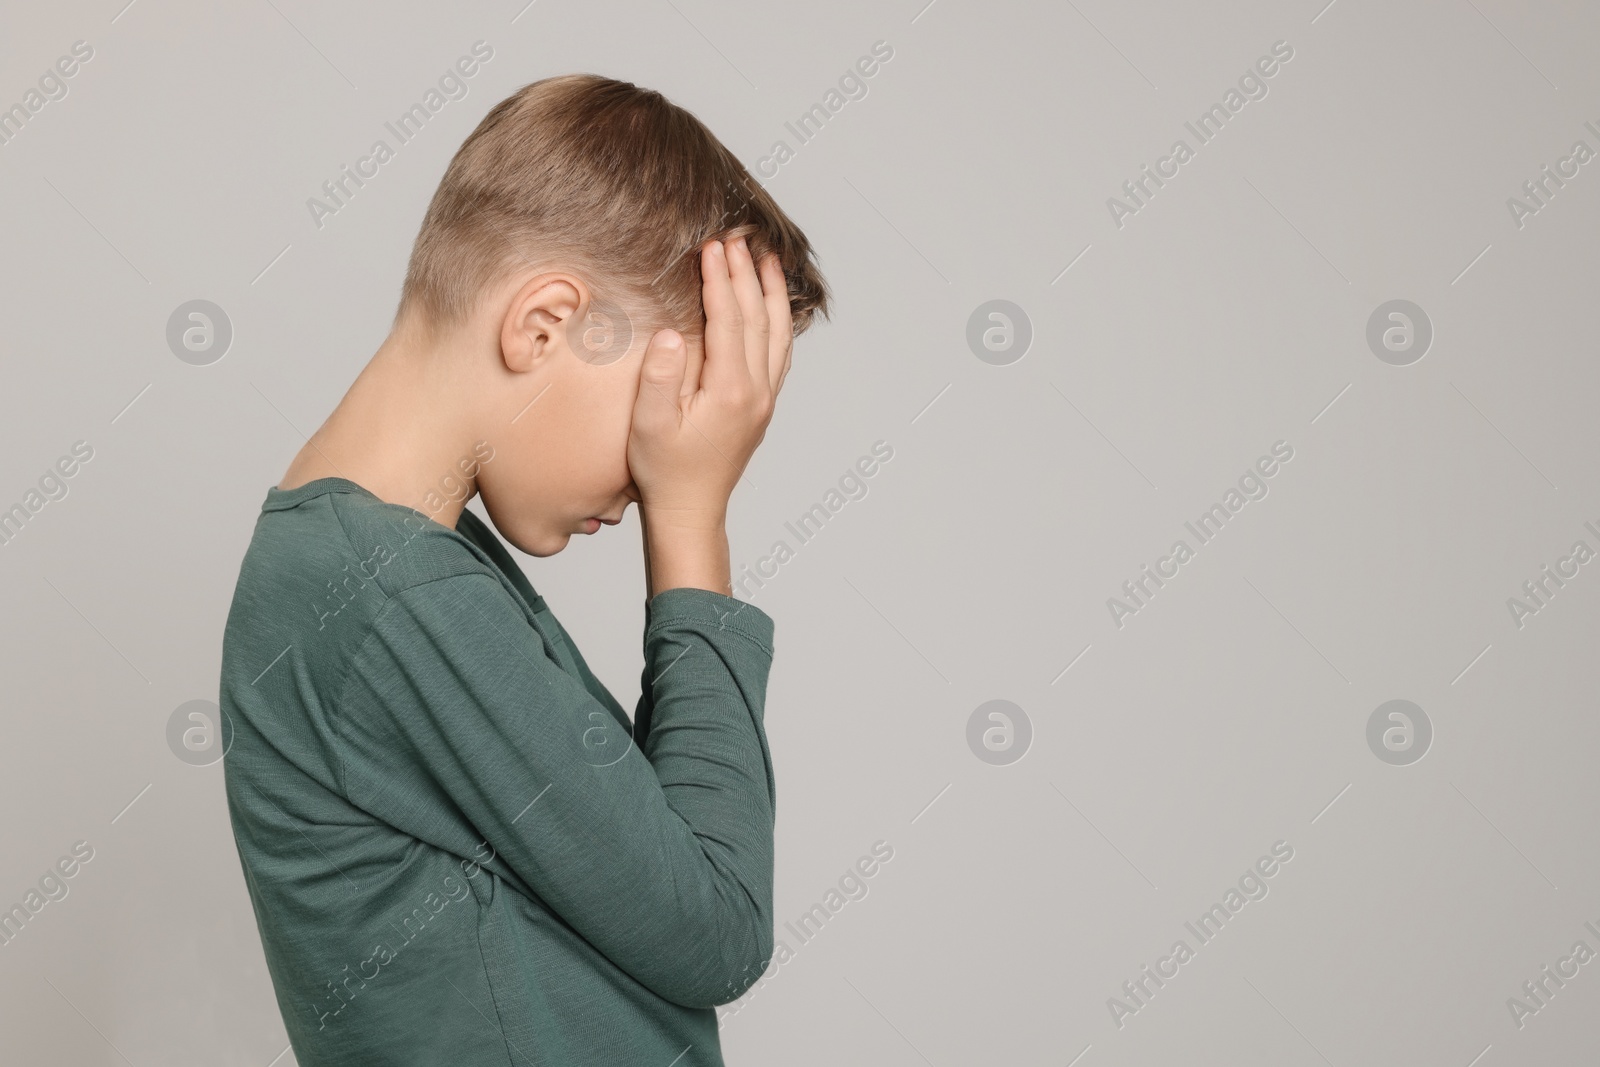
{"x": 400, "y": 431}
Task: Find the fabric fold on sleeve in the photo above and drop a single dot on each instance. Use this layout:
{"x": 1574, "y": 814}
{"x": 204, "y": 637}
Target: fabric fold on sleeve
{"x": 458, "y": 727}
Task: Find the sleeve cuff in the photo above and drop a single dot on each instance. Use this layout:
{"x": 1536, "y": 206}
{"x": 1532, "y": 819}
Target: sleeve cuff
{"x": 708, "y": 609}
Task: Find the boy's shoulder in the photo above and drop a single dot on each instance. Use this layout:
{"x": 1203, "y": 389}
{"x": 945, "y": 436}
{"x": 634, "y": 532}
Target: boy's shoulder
{"x": 335, "y": 521}
{"x": 326, "y": 560}
{"x": 328, "y": 555}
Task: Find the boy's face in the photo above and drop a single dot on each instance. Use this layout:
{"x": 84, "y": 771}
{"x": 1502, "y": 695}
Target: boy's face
{"x": 568, "y": 384}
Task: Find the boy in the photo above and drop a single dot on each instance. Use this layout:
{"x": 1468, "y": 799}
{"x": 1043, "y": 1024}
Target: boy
{"x": 458, "y": 848}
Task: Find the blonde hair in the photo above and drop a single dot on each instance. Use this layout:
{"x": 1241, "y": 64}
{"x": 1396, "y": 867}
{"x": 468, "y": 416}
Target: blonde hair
{"x": 607, "y": 179}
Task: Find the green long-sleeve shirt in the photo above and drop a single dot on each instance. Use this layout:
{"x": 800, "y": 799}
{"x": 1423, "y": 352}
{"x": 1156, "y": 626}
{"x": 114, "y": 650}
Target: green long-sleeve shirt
{"x": 458, "y": 849}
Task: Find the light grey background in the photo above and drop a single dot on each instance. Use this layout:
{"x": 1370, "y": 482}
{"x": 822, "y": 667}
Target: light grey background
{"x": 1227, "y": 314}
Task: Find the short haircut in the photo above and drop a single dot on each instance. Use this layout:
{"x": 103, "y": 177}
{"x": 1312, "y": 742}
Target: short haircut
{"x": 609, "y": 180}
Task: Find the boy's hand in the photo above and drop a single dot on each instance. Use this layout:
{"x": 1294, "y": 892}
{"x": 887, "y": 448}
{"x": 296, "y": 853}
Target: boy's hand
{"x": 687, "y": 448}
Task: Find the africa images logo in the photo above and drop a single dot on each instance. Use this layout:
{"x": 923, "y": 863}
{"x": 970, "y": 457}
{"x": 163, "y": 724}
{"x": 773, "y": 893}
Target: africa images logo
{"x": 1252, "y": 85}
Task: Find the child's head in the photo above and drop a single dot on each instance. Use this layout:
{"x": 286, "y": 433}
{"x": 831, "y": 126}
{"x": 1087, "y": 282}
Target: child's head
{"x": 603, "y": 176}
{"x": 567, "y": 231}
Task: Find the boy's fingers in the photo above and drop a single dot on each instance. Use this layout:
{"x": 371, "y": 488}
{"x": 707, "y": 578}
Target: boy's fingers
{"x": 696, "y": 348}
{"x": 660, "y": 380}
{"x": 753, "y": 308}
{"x": 788, "y": 359}
{"x": 780, "y": 341}
{"x": 724, "y": 368}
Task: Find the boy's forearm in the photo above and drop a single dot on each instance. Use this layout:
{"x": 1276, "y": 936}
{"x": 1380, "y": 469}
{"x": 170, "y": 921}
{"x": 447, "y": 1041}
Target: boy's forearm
{"x": 686, "y": 551}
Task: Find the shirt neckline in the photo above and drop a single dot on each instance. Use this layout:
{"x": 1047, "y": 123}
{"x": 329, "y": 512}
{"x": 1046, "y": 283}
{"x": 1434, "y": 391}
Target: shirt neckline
{"x": 283, "y": 499}
{"x": 278, "y": 499}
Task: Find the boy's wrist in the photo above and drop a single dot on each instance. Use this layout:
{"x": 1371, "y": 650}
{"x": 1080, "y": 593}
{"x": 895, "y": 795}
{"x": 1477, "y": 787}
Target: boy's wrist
{"x": 686, "y": 550}
{"x": 667, "y": 521}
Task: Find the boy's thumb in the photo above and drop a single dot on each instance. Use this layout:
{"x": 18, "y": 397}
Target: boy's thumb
{"x": 661, "y": 379}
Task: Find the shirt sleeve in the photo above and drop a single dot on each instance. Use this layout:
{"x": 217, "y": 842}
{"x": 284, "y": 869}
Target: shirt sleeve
{"x": 659, "y": 854}
{"x": 597, "y": 688}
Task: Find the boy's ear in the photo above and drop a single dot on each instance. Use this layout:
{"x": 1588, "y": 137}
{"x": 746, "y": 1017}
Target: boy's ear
{"x": 538, "y": 319}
